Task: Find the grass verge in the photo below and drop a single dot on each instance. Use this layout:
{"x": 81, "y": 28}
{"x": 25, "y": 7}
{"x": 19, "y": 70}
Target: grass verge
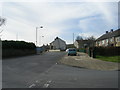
{"x": 109, "y": 58}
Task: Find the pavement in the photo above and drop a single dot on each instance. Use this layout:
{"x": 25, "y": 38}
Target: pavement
{"x": 84, "y": 61}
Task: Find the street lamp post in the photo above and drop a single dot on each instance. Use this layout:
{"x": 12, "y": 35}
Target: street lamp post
{"x": 36, "y": 33}
{"x": 40, "y": 40}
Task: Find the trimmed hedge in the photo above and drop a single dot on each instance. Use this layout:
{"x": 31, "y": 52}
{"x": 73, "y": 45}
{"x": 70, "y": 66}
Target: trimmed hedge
{"x": 107, "y": 51}
{"x": 17, "y": 48}
{"x": 17, "y": 45}
{"x": 7, "y": 53}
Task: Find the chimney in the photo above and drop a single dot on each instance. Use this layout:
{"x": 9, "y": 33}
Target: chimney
{"x": 106, "y": 31}
{"x": 111, "y": 30}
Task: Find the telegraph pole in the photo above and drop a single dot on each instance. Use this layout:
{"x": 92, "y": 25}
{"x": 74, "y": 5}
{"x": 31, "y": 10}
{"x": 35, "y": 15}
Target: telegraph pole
{"x": 73, "y": 38}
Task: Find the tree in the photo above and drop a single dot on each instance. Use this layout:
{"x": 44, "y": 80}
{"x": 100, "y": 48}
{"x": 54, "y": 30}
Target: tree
{"x": 79, "y": 38}
{"x": 2, "y": 22}
{"x": 92, "y": 38}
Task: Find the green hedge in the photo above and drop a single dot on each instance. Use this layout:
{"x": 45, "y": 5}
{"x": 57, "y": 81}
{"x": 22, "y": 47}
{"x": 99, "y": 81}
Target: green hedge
{"x": 7, "y": 53}
{"x": 17, "y": 48}
{"x": 17, "y": 45}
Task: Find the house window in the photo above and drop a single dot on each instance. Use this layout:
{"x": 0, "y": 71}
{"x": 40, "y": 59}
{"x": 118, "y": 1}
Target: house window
{"x": 106, "y": 40}
{"x": 118, "y": 39}
{"x": 111, "y": 39}
{"x": 103, "y": 41}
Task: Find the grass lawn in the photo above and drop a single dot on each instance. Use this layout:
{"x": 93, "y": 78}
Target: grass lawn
{"x": 109, "y": 58}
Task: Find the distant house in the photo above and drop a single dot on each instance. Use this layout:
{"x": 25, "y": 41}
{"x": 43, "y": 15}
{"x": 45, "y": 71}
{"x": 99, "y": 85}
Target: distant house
{"x": 83, "y": 43}
{"x": 70, "y": 46}
{"x": 111, "y": 38}
{"x": 58, "y": 44}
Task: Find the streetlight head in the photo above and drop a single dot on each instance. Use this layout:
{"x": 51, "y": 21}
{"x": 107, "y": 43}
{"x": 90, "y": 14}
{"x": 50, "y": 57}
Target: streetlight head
{"x": 41, "y": 26}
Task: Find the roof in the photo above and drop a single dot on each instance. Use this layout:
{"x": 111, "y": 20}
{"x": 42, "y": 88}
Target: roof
{"x": 84, "y": 41}
{"x": 109, "y": 35}
{"x": 57, "y": 39}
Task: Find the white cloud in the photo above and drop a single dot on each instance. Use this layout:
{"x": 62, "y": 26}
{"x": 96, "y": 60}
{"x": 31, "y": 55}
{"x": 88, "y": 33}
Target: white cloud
{"x": 59, "y": 0}
{"x": 23, "y": 18}
{"x": 105, "y": 9}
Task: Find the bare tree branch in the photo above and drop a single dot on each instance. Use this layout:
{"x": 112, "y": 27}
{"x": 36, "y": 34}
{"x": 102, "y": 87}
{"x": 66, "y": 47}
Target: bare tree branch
{"x": 2, "y": 21}
{"x": 1, "y": 31}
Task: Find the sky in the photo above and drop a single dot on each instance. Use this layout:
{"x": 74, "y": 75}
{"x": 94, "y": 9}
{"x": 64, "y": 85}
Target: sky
{"x": 59, "y": 19}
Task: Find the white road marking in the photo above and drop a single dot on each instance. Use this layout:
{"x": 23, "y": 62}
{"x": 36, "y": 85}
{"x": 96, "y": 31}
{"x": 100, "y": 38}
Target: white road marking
{"x": 49, "y": 81}
{"x": 46, "y": 85}
{"x": 32, "y": 85}
{"x": 37, "y": 81}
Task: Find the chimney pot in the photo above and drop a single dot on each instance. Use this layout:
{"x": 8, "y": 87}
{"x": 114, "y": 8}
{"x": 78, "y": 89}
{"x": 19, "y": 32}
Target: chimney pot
{"x": 106, "y": 31}
{"x": 111, "y": 30}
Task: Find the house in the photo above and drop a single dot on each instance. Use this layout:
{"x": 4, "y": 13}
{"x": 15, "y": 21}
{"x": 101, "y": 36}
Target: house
{"x": 111, "y": 38}
{"x": 83, "y": 43}
{"x": 58, "y": 44}
{"x": 70, "y": 46}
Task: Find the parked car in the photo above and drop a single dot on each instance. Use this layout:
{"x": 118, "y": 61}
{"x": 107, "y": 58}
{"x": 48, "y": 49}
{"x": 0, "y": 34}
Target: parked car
{"x": 71, "y": 51}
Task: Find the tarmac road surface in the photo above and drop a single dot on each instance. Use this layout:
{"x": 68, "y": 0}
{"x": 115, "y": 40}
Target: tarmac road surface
{"x": 18, "y": 72}
{"x": 43, "y": 71}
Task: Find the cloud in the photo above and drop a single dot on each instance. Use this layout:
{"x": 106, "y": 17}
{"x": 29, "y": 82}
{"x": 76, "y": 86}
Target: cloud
{"x": 60, "y": 0}
{"x": 58, "y": 19}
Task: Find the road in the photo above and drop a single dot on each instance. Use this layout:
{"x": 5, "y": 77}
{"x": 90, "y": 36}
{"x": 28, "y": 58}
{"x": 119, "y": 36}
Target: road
{"x": 18, "y": 72}
{"x": 42, "y": 71}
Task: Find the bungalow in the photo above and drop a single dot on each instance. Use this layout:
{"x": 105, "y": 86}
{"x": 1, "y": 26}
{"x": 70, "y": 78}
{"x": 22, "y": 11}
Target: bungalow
{"x": 111, "y": 38}
{"x": 58, "y": 44}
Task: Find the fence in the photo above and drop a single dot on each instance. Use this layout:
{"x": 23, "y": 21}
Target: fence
{"x": 102, "y": 51}
{"x": 107, "y": 51}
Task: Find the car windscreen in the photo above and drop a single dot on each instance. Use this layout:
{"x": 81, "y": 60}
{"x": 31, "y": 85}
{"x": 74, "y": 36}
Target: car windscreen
{"x": 72, "y": 50}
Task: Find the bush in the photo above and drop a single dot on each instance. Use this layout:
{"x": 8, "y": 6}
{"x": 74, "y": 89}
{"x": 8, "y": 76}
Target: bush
{"x": 81, "y": 50}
